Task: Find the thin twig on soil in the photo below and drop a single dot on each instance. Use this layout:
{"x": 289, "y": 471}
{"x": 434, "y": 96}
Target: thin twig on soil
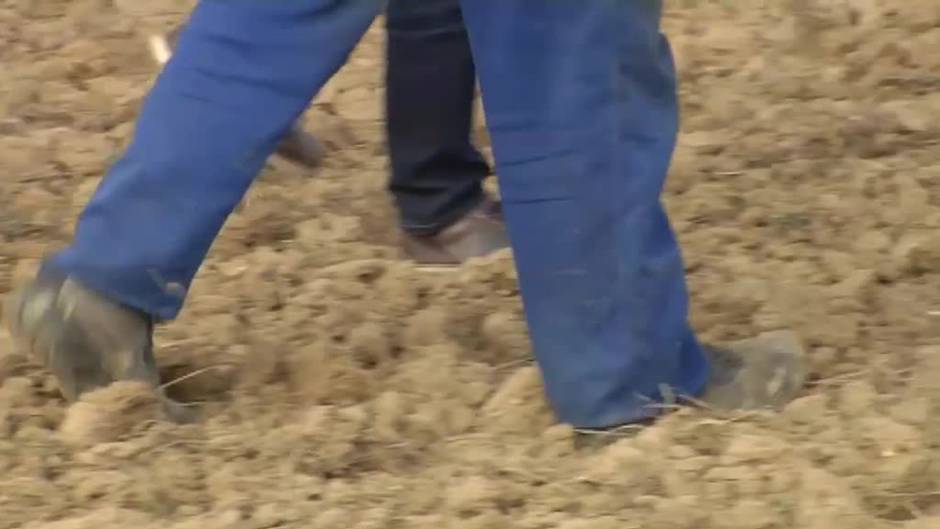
{"x": 192, "y": 374}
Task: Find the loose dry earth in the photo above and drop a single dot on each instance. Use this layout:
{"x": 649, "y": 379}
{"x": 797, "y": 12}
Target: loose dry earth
{"x": 343, "y": 389}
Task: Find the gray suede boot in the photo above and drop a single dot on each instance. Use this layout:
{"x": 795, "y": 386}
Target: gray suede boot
{"x": 765, "y": 372}
{"x": 84, "y": 339}
{"x": 761, "y": 373}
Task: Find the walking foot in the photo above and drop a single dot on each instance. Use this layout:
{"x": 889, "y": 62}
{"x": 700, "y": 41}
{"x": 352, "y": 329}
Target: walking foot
{"x": 84, "y": 339}
{"x": 478, "y": 234}
{"x": 763, "y": 372}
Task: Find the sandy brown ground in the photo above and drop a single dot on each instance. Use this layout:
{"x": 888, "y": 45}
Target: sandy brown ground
{"x": 343, "y": 389}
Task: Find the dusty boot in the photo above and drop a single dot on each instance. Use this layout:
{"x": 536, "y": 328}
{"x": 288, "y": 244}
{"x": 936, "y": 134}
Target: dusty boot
{"x": 763, "y": 372}
{"x": 298, "y": 146}
{"x": 479, "y": 233}
{"x": 84, "y": 339}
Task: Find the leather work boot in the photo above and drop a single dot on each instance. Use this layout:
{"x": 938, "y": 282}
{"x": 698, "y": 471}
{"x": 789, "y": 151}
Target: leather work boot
{"x": 481, "y": 232}
{"x": 765, "y": 372}
{"x": 84, "y": 339}
{"x": 298, "y": 146}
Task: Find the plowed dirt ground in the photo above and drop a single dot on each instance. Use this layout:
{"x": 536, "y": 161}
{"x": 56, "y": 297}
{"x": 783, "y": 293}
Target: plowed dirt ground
{"x": 341, "y": 388}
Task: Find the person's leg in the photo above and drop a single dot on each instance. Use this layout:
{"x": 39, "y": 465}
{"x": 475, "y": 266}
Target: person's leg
{"x": 437, "y": 173}
{"x": 244, "y": 71}
{"x": 298, "y": 145}
{"x": 582, "y": 110}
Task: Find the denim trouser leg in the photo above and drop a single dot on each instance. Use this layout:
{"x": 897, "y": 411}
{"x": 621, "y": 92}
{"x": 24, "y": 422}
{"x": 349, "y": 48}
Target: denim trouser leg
{"x": 582, "y": 109}
{"x": 430, "y": 82}
{"x": 243, "y": 72}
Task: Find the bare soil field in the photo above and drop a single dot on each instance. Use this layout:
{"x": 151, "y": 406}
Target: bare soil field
{"x": 341, "y": 388}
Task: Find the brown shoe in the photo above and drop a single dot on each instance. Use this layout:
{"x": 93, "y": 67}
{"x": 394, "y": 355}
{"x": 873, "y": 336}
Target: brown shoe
{"x": 298, "y": 145}
{"x": 84, "y": 339}
{"x": 481, "y": 232}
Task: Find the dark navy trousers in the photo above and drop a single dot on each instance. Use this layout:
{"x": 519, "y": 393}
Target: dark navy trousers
{"x": 437, "y": 173}
{"x": 580, "y": 99}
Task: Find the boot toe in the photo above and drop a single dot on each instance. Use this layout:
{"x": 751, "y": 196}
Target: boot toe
{"x": 85, "y": 340}
{"x": 767, "y": 371}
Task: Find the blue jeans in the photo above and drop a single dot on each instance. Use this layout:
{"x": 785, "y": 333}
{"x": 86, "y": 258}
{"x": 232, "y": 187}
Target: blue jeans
{"x": 581, "y": 105}
{"x": 437, "y": 173}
